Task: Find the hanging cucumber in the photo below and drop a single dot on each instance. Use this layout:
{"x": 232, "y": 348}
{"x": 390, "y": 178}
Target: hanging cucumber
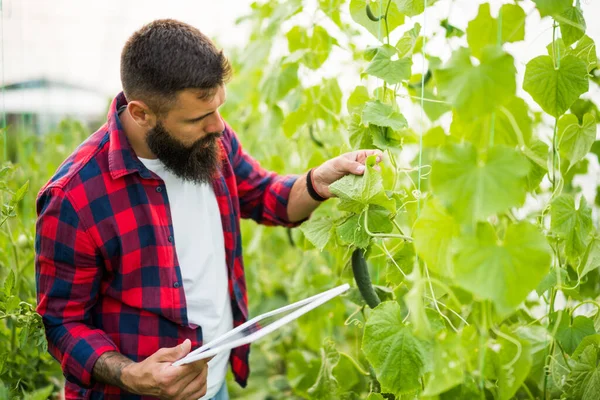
{"x": 371, "y": 16}
{"x": 363, "y": 280}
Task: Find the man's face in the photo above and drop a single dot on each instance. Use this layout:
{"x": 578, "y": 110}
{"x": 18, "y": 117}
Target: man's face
{"x": 185, "y": 140}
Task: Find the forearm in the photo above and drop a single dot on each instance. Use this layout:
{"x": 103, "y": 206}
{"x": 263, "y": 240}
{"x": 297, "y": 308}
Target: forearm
{"x": 300, "y": 204}
{"x": 110, "y": 369}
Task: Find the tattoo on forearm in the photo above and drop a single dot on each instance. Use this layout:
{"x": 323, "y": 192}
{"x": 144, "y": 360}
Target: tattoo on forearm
{"x": 108, "y": 368}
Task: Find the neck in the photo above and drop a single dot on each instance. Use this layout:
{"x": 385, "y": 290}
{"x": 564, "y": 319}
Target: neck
{"x": 136, "y": 136}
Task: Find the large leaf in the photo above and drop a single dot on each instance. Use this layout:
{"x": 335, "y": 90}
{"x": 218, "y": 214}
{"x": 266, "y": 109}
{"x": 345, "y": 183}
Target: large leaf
{"x": 356, "y": 192}
{"x": 555, "y": 89}
{"x": 552, "y": 7}
{"x": 377, "y": 28}
{"x": 396, "y": 355}
{"x": 511, "y": 123}
{"x": 575, "y": 140}
{"x": 572, "y": 25}
{"x": 433, "y": 233}
{"x": 584, "y": 380}
{"x": 380, "y": 114}
{"x": 282, "y": 79}
{"x": 391, "y": 71}
{"x": 412, "y": 7}
{"x": 571, "y": 333}
{"x": 475, "y": 188}
{"x": 314, "y": 49}
{"x": 317, "y": 231}
{"x": 586, "y": 51}
{"x": 574, "y": 225}
{"x": 483, "y": 30}
{"x": 357, "y": 100}
{"x": 503, "y": 271}
{"x": 410, "y": 43}
{"x": 475, "y": 90}
{"x": 591, "y": 259}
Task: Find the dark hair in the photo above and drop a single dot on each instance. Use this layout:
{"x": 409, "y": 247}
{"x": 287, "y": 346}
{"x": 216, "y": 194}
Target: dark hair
{"x": 167, "y": 56}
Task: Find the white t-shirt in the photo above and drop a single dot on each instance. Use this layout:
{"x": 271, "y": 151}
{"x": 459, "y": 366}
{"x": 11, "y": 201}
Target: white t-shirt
{"x": 200, "y": 248}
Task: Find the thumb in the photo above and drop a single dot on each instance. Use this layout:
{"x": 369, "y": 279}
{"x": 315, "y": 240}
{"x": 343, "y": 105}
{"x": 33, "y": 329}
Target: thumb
{"x": 174, "y": 353}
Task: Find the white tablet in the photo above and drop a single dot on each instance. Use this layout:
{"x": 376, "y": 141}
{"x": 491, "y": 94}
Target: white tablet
{"x": 260, "y": 326}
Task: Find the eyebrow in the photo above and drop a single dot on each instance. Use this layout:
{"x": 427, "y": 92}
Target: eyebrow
{"x": 205, "y": 115}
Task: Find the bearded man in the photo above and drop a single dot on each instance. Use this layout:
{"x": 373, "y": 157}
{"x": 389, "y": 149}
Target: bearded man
{"x": 138, "y": 247}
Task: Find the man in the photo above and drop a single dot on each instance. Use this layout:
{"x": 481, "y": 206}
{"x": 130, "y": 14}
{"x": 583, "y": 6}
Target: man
{"x": 138, "y": 248}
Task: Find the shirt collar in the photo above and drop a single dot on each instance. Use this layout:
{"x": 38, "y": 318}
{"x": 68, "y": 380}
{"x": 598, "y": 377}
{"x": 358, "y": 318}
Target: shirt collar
{"x": 122, "y": 160}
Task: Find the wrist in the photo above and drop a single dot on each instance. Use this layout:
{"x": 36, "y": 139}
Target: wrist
{"x": 314, "y": 186}
{"x": 132, "y": 378}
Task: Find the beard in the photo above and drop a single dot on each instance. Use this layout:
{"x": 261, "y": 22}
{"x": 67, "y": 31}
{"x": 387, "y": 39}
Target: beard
{"x": 196, "y": 163}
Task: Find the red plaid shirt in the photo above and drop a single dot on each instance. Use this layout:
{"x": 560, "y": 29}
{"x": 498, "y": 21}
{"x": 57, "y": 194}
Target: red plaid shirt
{"x": 107, "y": 273}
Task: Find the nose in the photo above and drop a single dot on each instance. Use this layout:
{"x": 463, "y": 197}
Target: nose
{"x": 215, "y": 124}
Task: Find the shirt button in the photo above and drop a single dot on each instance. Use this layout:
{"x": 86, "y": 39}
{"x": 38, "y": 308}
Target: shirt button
{"x": 159, "y": 189}
{"x": 171, "y": 239}
{"x": 176, "y": 285}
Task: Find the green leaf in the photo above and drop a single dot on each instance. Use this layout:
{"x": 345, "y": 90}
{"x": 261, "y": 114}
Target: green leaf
{"x": 40, "y": 394}
{"x": 19, "y": 195}
{"x": 380, "y": 114}
{"x": 356, "y": 192}
{"x": 571, "y": 224}
{"x": 572, "y": 25}
{"x": 509, "y": 376}
{"x": 537, "y": 155}
{"x": 412, "y": 7}
{"x": 352, "y": 232}
{"x": 318, "y": 231}
{"x": 475, "y": 90}
{"x": 9, "y": 283}
{"x": 361, "y": 137}
{"x": 475, "y": 188}
{"x": 390, "y": 71}
{"x": 326, "y": 384}
{"x": 433, "y": 233}
{"x": 512, "y": 126}
{"x": 274, "y": 88}
{"x": 584, "y": 380}
{"x": 396, "y": 355}
{"x": 302, "y": 372}
{"x": 451, "y": 30}
{"x": 448, "y": 370}
{"x": 410, "y": 43}
{"x": 555, "y": 89}
{"x": 483, "y": 30}
{"x": 357, "y": 100}
{"x": 575, "y": 140}
{"x": 318, "y": 45}
{"x": 513, "y": 23}
{"x": 551, "y": 280}
{"x": 552, "y": 7}
{"x": 571, "y": 333}
{"x": 375, "y": 396}
{"x": 377, "y": 28}
{"x": 503, "y": 271}
{"x": 591, "y": 258}
{"x": 586, "y": 51}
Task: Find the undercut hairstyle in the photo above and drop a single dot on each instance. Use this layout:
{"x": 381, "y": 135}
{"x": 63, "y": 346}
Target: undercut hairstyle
{"x": 167, "y": 56}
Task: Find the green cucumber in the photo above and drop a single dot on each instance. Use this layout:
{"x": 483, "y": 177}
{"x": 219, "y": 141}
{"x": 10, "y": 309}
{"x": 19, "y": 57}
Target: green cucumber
{"x": 363, "y": 280}
{"x": 371, "y": 16}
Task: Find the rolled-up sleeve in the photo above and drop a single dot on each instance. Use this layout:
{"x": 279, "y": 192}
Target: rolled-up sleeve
{"x": 263, "y": 195}
{"x": 68, "y": 276}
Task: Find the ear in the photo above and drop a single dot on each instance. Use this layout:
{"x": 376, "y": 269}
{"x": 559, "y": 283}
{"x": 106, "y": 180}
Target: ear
{"x": 141, "y": 114}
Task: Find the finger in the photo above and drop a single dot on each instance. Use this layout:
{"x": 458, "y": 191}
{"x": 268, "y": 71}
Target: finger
{"x": 188, "y": 372}
{"x": 363, "y": 154}
{"x": 195, "y": 385}
{"x": 347, "y": 165}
